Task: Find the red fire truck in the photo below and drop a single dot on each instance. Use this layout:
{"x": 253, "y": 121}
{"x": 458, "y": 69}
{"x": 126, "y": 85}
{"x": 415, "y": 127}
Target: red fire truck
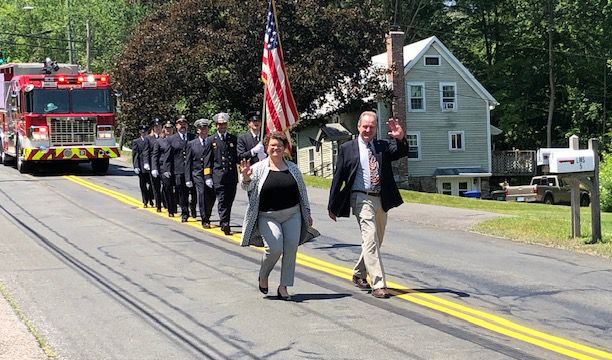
{"x": 55, "y": 112}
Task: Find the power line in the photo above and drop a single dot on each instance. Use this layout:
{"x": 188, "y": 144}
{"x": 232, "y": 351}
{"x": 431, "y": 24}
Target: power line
{"x": 32, "y": 46}
{"x": 40, "y": 37}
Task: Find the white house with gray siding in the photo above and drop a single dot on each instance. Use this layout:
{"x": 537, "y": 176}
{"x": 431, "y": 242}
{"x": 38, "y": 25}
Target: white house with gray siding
{"x": 448, "y": 121}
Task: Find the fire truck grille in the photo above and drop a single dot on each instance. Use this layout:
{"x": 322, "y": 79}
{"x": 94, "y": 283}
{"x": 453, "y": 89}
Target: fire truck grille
{"x": 72, "y": 131}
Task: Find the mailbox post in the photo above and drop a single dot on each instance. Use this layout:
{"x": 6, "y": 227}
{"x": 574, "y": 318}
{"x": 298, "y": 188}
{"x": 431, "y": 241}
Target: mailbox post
{"x": 577, "y": 167}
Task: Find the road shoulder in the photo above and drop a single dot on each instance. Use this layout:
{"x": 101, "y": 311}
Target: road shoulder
{"x": 16, "y": 338}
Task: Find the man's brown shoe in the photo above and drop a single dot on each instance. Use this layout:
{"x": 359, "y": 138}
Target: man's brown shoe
{"x": 381, "y": 293}
{"x": 360, "y": 283}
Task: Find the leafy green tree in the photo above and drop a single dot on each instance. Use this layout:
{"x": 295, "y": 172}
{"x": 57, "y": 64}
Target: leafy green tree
{"x": 32, "y": 35}
{"x": 207, "y": 54}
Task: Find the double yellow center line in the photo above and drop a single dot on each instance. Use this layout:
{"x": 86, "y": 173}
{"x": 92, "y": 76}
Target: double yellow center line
{"x": 476, "y": 317}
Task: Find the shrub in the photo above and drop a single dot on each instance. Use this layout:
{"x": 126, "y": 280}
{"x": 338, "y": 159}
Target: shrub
{"x": 605, "y": 182}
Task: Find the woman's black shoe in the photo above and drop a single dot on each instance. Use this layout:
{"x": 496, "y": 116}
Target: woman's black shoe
{"x": 262, "y": 289}
{"x": 281, "y": 297}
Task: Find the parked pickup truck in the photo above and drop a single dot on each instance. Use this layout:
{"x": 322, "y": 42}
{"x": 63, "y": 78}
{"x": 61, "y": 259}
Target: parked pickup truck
{"x": 548, "y": 189}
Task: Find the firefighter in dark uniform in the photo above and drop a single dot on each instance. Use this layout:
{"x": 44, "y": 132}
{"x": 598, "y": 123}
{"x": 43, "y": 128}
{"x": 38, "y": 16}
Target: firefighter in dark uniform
{"x": 195, "y": 167}
{"x": 162, "y": 163}
{"x": 138, "y": 162}
{"x": 156, "y": 127}
{"x": 222, "y": 169}
{"x": 250, "y": 145}
{"x": 178, "y": 143}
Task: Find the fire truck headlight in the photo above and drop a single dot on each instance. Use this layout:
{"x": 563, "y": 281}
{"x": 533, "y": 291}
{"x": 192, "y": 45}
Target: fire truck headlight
{"x": 105, "y": 132}
{"x": 39, "y": 133}
{"x": 91, "y": 78}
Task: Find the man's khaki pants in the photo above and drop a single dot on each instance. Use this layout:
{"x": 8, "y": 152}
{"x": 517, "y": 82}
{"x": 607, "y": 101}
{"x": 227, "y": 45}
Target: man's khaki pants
{"x": 372, "y": 221}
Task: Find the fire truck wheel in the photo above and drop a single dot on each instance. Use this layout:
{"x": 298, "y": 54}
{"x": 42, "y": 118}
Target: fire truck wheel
{"x": 5, "y": 159}
{"x": 22, "y": 165}
{"x": 100, "y": 166}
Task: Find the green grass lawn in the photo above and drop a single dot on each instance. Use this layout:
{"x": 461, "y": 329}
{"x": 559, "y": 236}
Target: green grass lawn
{"x": 549, "y": 225}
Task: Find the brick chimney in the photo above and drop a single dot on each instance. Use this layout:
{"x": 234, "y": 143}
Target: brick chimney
{"x": 395, "y": 75}
{"x": 395, "y": 64}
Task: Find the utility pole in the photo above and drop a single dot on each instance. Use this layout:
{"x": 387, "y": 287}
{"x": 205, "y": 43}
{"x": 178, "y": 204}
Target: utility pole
{"x": 88, "y": 46}
{"x": 551, "y": 74}
{"x": 605, "y": 100}
{"x": 69, "y": 34}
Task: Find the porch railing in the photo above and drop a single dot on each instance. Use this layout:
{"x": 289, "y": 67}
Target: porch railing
{"x": 514, "y": 163}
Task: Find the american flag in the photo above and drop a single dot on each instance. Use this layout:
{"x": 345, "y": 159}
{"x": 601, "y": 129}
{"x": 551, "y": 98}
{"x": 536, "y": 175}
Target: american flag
{"x": 281, "y": 112}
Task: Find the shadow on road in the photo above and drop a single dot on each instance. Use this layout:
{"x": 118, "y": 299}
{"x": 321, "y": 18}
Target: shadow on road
{"x": 70, "y": 168}
{"x": 396, "y": 292}
{"x": 336, "y": 246}
{"x": 306, "y": 297}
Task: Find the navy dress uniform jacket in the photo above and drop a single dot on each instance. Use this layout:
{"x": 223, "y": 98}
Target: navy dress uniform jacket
{"x": 197, "y": 158}
{"x": 245, "y": 143}
{"x": 162, "y": 159}
{"x": 148, "y": 150}
{"x": 222, "y": 160}
{"x": 138, "y": 154}
{"x": 346, "y": 171}
{"x": 179, "y": 152}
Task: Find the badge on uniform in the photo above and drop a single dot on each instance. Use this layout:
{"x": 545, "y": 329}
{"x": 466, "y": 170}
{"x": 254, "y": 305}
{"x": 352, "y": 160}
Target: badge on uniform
{"x": 214, "y": 144}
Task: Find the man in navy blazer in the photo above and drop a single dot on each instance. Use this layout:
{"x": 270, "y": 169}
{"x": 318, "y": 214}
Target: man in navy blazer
{"x": 195, "y": 171}
{"x": 250, "y": 146}
{"x": 364, "y": 181}
{"x": 140, "y": 163}
{"x": 222, "y": 169}
{"x": 178, "y": 143}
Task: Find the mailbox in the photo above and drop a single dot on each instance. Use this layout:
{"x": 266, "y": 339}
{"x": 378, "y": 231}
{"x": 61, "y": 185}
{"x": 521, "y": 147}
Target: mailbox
{"x": 571, "y": 161}
{"x": 543, "y": 155}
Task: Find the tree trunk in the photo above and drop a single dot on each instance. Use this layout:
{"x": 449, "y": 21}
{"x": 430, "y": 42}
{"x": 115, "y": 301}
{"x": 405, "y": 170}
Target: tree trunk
{"x": 551, "y": 75}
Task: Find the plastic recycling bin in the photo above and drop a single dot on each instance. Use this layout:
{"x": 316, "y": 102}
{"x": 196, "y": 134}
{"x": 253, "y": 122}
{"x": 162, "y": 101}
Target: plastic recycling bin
{"x": 472, "y": 194}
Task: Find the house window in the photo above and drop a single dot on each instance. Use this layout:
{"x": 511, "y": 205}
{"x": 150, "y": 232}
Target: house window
{"x": 447, "y": 188}
{"x": 432, "y": 60}
{"x": 448, "y": 96}
{"x": 456, "y": 140}
{"x": 416, "y": 97}
{"x": 311, "y": 161}
{"x": 463, "y": 187}
{"x": 414, "y": 145}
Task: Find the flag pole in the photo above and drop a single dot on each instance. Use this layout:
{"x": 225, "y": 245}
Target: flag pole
{"x": 280, "y": 44}
{"x": 264, "y": 120}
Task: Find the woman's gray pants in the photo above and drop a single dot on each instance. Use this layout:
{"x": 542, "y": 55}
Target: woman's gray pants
{"x": 281, "y": 235}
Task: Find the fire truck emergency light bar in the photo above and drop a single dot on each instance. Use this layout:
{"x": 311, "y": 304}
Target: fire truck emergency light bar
{"x": 83, "y": 80}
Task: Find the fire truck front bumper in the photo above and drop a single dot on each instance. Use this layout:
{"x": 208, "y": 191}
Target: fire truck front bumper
{"x": 71, "y": 153}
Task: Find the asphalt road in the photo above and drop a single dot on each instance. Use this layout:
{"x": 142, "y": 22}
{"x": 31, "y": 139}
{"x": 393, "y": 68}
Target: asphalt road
{"x": 101, "y": 278}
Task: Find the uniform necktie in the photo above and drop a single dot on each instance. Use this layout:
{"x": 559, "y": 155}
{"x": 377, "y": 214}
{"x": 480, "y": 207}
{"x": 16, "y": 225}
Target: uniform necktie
{"x": 374, "y": 169}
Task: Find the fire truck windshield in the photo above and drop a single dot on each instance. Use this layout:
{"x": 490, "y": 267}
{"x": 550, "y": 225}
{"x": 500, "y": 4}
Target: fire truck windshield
{"x": 48, "y": 101}
{"x": 91, "y": 101}
{"x": 63, "y": 101}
